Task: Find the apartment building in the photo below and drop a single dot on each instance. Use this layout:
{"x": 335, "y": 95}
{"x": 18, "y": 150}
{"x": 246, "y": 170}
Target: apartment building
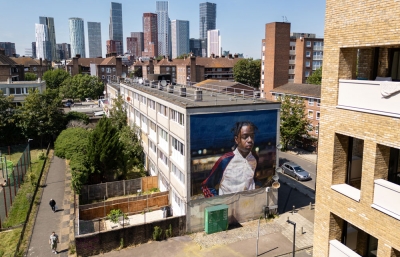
{"x": 287, "y": 57}
{"x": 20, "y": 89}
{"x": 311, "y": 96}
{"x": 36, "y": 66}
{"x": 10, "y": 69}
{"x": 358, "y": 184}
{"x": 184, "y": 130}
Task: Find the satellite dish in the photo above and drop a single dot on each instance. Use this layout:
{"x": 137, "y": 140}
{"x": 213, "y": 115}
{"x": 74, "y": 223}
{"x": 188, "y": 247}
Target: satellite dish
{"x": 275, "y": 177}
{"x": 163, "y": 83}
{"x": 276, "y": 185}
{"x": 140, "y": 81}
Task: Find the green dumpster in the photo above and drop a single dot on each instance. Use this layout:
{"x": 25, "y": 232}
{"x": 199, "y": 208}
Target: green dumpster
{"x": 216, "y": 218}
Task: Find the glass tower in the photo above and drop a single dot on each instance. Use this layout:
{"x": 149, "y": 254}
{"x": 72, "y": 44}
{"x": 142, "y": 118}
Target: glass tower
{"x": 94, "y": 38}
{"x": 208, "y": 18}
{"x": 77, "y": 37}
{"x": 115, "y": 28}
{"x": 163, "y": 27}
{"x": 179, "y": 38}
{"x": 43, "y": 49}
{"x": 51, "y": 35}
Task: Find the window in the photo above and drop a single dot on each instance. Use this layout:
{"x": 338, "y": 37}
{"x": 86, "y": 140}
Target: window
{"x": 113, "y": 69}
{"x": 311, "y": 101}
{"x": 114, "y": 77}
{"x": 162, "y": 110}
{"x": 318, "y": 115}
{"x": 292, "y": 48}
{"x": 291, "y": 76}
{"x": 317, "y": 129}
{"x": 173, "y": 68}
{"x": 167, "y": 68}
{"x": 308, "y": 54}
{"x": 152, "y": 104}
{"x": 177, "y": 199}
{"x": 108, "y": 70}
{"x": 144, "y": 100}
{"x": 394, "y": 166}
{"x": 307, "y": 64}
{"x": 153, "y": 146}
{"x": 177, "y": 117}
{"x": 310, "y": 114}
{"x": 318, "y": 102}
{"x": 291, "y": 67}
{"x": 102, "y": 69}
{"x": 307, "y": 74}
{"x": 136, "y": 96}
{"x": 103, "y": 77}
{"x": 292, "y": 57}
{"x": 177, "y": 145}
{"x": 144, "y": 120}
{"x": 163, "y": 157}
{"x": 153, "y": 126}
{"x": 308, "y": 43}
{"x": 163, "y": 134}
{"x": 179, "y": 174}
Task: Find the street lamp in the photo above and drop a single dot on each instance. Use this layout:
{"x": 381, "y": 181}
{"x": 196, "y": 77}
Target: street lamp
{"x": 294, "y": 234}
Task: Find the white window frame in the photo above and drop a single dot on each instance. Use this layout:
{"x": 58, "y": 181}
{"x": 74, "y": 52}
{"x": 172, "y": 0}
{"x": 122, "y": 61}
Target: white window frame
{"x": 178, "y": 173}
{"x": 308, "y": 43}
{"x": 163, "y": 157}
{"x": 308, "y": 54}
{"x": 310, "y": 101}
{"x": 318, "y": 102}
{"x": 312, "y": 114}
{"x": 308, "y": 64}
{"x": 152, "y": 104}
{"x": 318, "y": 115}
{"x": 153, "y": 146}
{"x": 177, "y": 117}
{"x": 162, "y": 110}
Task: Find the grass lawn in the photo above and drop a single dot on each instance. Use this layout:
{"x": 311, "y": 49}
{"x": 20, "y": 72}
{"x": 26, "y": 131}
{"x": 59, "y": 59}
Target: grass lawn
{"x": 20, "y": 208}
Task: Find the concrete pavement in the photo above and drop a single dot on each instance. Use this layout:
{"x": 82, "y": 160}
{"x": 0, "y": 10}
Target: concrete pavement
{"x": 57, "y": 186}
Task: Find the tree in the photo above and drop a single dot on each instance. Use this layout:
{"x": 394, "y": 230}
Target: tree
{"x": 104, "y": 148}
{"x": 294, "y": 123}
{"x": 118, "y": 115}
{"x": 29, "y": 76}
{"x": 40, "y": 115}
{"x": 138, "y": 72}
{"x": 248, "y": 71}
{"x": 315, "y": 77}
{"x": 71, "y": 141}
{"x": 82, "y": 86}
{"x": 54, "y": 78}
{"x": 183, "y": 56}
{"x": 9, "y": 132}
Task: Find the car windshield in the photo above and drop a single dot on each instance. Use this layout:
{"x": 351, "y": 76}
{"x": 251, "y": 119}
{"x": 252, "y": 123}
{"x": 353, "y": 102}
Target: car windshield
{"x": 297, "y": 168}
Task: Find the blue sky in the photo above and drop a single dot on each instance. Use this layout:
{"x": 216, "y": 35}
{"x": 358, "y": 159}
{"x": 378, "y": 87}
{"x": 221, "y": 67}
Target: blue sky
{"x": 241, "y": 22}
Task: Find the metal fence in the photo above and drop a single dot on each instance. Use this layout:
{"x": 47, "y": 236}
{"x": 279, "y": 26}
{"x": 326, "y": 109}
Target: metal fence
{"x": 12, "y": 174}
{"x": 109, "y": 189}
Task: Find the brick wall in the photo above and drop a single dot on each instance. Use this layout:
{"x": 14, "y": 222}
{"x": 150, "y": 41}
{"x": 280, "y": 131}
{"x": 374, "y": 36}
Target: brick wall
{"x": 352, "y": 25}
{"x": 96, "y": 243}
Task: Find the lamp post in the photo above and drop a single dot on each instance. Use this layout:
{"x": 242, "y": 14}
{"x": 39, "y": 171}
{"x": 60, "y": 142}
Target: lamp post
{"x": 29, "y": 149}
{"x": 294, "y": 234}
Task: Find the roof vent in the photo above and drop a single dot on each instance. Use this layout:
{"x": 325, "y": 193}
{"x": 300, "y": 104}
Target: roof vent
{"x": 182, "y": 91}
{"x": 170, "y": 88}
{"x": 198, "y": 95}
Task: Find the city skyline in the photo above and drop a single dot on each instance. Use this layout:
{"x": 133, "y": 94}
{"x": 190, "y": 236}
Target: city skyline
{"x": 240, "y": 35}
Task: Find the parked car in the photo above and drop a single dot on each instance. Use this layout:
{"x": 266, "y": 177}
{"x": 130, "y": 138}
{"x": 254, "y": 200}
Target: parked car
{"x": 296, "y": 171}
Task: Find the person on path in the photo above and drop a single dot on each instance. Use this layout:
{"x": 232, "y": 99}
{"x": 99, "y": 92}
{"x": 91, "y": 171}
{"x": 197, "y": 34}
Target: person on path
{"x": 53, "y": 241}
{"x": 53, "y": 205}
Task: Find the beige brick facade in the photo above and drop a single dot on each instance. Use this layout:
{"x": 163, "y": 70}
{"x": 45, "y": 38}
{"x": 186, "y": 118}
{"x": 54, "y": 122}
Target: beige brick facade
{"x": 359, "y": 38}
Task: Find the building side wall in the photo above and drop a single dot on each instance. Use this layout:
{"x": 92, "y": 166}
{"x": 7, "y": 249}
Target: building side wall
{"x": 349, "y": 25}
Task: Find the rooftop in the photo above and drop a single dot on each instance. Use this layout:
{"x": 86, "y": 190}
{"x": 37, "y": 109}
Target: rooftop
{"x": 310, "y": 90}
{"x": 192, "y": 98}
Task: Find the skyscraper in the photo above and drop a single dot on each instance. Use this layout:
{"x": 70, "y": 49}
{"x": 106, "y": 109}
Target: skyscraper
{"x": 94, "y": 38}
{"x": 208, "y": 18}
{"x": 77, "y": 37}
{"x": 179, "y": 38}
{"x": 43, "y": 47}
{"x": 150, "y": 35}
{"x": 213, "y": 42}
{"x": 139, "y": 36}
{"x": 115, "y": 28}
{"x": 63, "y": 51}
{"x": 34, "y": 50}
{"x": 163, "y": 27}
{"x": 51, "y": 32}
{"x": 8, "y": 47}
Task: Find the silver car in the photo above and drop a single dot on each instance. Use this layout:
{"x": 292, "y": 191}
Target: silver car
{"x": 296, "y": 171}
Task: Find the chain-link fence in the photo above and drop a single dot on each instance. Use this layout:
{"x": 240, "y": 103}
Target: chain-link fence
{"x": 13, "y": 167}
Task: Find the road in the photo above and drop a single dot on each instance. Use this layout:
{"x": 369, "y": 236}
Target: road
{"x": 306, "y": 165}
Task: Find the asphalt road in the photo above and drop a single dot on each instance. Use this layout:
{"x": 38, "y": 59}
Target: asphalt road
{"x": 306, "y": 165}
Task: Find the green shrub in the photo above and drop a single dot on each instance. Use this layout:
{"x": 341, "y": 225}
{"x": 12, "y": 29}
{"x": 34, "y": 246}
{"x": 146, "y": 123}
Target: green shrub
{"x": 115, "y": 214}
{"x": 168, "y": 232}
{"x": 157, "y": 233}
{"x": 71, "y": 141}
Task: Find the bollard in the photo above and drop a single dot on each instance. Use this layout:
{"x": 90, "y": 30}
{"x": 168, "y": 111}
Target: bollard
{"x": 293, "y": 209}
{"x": 310, "y": 206}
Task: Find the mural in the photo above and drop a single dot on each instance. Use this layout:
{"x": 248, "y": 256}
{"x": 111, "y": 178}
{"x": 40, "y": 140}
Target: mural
{"x": 232, "y": 152}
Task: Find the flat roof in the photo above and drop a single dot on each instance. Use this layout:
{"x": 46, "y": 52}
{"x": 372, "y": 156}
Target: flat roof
{"x": 209, "y": 98}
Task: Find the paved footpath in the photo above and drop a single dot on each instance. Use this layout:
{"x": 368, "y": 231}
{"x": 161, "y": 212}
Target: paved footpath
{"x": 57, "y": 187}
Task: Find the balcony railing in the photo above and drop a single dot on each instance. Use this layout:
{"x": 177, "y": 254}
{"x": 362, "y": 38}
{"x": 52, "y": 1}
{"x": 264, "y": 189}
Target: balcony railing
{"x": 387, "y": 198}
{"x": 318, "y": 57}
{"x": 365, "y": 96}
{"x": 292, "y": 61}
{"x": 337, "y": 249}
{"x": 292, "y": 52}
{"x": 318, "y": 48}
{"x": 291, "y": 71}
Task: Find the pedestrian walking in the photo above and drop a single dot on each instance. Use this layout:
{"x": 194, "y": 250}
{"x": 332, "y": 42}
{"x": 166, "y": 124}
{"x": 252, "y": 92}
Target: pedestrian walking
{"x": 53, "y": 241}
{"x": 53, "y": 205}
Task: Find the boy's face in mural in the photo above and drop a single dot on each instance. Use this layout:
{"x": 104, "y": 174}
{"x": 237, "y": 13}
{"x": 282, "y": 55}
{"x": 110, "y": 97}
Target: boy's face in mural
{"x": 245, "y": 140}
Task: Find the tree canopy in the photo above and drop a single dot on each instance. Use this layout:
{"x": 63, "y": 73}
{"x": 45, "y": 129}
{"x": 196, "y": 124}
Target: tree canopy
{"x": 315, "y": 77}
{"x": 8, "y": 120}
{"x": 82, "y": 86}
{"x": 29, "y": 76}
{"x": 294, "y": 123}
{"x": 118, "y": 114}
{"x": 40, "y": 115}
{"x": 248, "y": 71}
{"x": 71, "y": 141}
{"x": 54, "y": 78}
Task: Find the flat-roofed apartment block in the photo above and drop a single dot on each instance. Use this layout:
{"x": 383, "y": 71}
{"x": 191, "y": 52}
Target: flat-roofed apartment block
{"x": 358, "y": 184}
{"x": 185, "y": 130}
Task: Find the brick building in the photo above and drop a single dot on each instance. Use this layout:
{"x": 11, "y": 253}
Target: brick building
{"x": 193, "y": 69}
{"x": 311, "y": 95}
{"x": 287, "y": 57}
{"x": 36, "y": 66}
{"x": 150, "y": 35}
{"x": 114, "y": 46}
{"x": 358, "y": 183}
{"x": 10, "y": 69}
